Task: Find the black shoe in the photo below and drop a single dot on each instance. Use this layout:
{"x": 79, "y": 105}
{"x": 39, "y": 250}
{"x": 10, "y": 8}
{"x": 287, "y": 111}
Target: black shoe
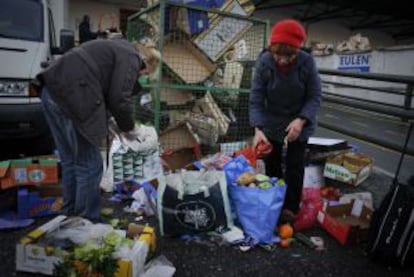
{"x": 287, "y": 216}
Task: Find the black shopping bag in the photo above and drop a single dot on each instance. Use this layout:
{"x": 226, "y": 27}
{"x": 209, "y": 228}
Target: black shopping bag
{"x": 202, "y": 210}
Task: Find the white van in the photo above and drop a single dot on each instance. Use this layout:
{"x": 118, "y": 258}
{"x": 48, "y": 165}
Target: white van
{"x": 27, "y": 44}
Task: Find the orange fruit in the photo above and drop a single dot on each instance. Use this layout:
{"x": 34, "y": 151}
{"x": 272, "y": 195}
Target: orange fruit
{"x": 285, "y": 231}
{"x": 284, "y": 243}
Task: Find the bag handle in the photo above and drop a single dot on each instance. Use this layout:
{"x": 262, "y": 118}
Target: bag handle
{"x": 410, "y": 129}
{"x": 203, "y": 186}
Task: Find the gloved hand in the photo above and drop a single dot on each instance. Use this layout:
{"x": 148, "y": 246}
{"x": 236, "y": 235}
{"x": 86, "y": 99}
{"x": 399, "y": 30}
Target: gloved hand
{"x": 133, "y": 134}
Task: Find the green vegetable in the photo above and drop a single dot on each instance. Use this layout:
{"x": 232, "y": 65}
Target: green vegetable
{"x": 114, "y": 222}
{"x": 113, "y": 239}
{"x": 262, "y": 178}
{"x": 281, "y": 182}
{"x": 96, "y": 258}
{"x": 107, "y": 211}
{"x": 304, "y": 239}
{"x": 264, "y": 185}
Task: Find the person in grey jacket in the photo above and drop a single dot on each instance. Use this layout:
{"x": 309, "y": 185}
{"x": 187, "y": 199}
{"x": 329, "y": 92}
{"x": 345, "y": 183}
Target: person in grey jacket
{"x": 284, "y": 100}
{"x": 81, "y": 90}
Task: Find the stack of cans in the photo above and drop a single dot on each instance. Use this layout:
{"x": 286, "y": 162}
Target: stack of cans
{"x": 117, "y": 167}
{"x": 128, "y": 165}
{"x": 131, "y": 166}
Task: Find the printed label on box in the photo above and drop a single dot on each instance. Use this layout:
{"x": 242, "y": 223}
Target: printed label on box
{"x": 20, "y": 175}
{"x": 338, "y": 172}
{"x": 36, "y": 175}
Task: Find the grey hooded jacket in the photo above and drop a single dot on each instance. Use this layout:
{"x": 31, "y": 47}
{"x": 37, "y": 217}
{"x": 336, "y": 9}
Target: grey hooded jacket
{"x": 93, "y": 81}
{"x": 277, "y": 98}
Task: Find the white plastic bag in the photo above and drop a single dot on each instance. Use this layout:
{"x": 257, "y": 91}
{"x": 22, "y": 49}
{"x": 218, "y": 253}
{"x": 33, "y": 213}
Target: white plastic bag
{"x": 159, "y": 267}
{"x": 143, "y": 161}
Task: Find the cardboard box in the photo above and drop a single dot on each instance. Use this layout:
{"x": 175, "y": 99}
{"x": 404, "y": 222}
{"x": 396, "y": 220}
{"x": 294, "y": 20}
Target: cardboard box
{"x": 248, "y": 47}
{"x": 192, "y": 21}
{"x": 206, "y": 127}
{"x": 187, "y": 61}
{"x": 223, "y": 32}
{"x": 351, "y": 168}
{"x": 233, "y": 74}
{"x": 39, "y": 201}
{"x": 33, "y": 256}
{"x": 348, "y": 223}
{"x": 320, "y": 157}
{"x": 28, "y": 172}
{"x": 179, "y": 159}
{"x": 248, "y": 6}
{"x": 208, "y": 106}
{"x": 143, "y": 233}
{"x": 6, "y": 180}
{"x": 135, "y": 265}
{"x": 181, "y": 146}
{"x": 171, "y": 98}
{"x": 179, "y": 137}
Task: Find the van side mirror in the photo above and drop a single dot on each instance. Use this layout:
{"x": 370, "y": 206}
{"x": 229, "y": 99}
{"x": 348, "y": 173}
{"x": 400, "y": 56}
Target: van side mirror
{"x": 67, "y": 40}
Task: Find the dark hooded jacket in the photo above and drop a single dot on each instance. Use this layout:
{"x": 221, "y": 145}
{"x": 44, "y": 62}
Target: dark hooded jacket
{"x": 277, "y": 98}
{"x": 94, "y": 81}
{"x": 85, "y": 33}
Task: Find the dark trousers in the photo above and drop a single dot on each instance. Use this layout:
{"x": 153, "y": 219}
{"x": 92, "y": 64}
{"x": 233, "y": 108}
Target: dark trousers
{"x": 82, "y": 164}
{"x": 291, "y": 169}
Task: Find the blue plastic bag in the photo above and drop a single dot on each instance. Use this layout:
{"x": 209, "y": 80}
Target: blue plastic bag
{"x": 258, "y": 209}
{"x": 235, "y": 168}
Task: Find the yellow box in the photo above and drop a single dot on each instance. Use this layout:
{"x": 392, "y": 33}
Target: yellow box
{"x": 148, "y": 235}
{"x": 144, "y": 233}
{"x": 124, "y": 268}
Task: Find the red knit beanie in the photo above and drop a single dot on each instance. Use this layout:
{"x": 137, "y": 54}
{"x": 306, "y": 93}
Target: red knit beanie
{"x": 288, "y": 31}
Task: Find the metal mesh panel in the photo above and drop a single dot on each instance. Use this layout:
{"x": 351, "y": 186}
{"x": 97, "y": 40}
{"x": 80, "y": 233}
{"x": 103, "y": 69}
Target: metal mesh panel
{"x": 200, "y": 98}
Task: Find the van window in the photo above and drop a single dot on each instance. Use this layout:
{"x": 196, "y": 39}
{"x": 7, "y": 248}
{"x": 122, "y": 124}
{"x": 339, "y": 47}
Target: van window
{"x": 21, "y": 19}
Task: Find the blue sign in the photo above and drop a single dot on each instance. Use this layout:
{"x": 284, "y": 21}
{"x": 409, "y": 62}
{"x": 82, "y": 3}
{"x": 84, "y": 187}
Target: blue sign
{"x": 355, "y": 62}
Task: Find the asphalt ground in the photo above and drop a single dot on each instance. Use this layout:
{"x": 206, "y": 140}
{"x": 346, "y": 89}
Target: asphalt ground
{"x": 372, "y": 134}
{"x": 206, "y": 257}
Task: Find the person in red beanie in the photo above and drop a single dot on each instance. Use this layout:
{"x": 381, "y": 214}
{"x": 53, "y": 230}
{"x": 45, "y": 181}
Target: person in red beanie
{"x": 284, "y": 100}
